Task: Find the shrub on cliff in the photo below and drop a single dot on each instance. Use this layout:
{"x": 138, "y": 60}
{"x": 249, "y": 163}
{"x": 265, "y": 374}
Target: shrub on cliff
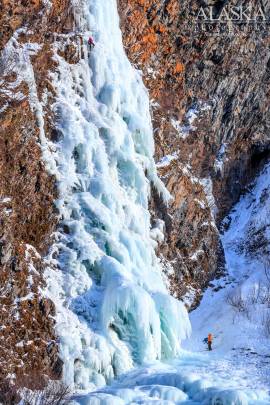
{"x": 55, "y": 393}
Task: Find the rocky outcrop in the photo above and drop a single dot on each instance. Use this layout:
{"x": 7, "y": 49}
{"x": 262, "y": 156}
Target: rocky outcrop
{"x": 28, "y": 217}
{"x": 27, "y": 220}
{"x": 210, "y": 112}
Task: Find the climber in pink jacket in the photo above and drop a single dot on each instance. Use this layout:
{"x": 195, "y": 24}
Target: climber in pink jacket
{"x": 91, "y": 43}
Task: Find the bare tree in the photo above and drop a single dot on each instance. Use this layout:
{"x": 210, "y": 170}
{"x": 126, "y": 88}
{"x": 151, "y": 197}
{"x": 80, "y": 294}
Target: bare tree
{"x": 8, "y": 393}
{"x": 55, "y": 393}
{"x": 266, "y": 324}
{"x": 267, "y": 270}
{"x": 238, "y": 303}
{"x": 8, "y": 83}
{"x": 7, "y": 67}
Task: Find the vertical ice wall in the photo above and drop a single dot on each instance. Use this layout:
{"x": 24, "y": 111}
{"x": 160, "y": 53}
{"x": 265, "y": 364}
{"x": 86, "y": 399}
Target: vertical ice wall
{"x": 113, "y": 309}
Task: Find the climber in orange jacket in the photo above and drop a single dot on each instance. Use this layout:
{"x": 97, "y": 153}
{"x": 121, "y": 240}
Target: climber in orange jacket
{"x": 210, "y": 341}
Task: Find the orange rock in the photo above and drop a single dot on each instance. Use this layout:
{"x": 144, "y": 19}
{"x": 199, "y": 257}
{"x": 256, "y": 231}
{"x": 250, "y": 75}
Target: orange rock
{"x": 179, "y": 67}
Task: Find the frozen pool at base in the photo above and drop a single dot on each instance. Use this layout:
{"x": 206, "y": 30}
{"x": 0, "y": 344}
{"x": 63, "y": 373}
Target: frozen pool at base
{"x": 192, "y": 379}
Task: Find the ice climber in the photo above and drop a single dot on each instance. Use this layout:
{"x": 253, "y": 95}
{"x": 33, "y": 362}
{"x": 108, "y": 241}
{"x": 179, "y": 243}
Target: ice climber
{"x": 210, "y": 341}
{"x": 91, "y": 43}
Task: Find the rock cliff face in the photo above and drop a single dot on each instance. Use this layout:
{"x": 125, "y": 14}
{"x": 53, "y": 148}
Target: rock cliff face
{"x": 210, "y": 113}
{"x": 28, "y": 217}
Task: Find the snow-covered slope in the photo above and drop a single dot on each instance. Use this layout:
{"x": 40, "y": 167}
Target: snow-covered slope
{"x": 113, "y": 308}
{"x": 236, "y": 308}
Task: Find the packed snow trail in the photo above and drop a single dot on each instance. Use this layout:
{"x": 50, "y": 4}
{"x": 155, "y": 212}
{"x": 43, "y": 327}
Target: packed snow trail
{"x": 113, "y": 307}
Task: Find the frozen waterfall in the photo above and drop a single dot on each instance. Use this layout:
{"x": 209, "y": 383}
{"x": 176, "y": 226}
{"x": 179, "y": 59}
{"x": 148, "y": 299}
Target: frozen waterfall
{"x": 113, "y": 308}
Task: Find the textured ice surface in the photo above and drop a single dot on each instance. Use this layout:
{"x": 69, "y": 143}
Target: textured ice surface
{"x": 113, "y": 309}
{"x": 193, "y": 379}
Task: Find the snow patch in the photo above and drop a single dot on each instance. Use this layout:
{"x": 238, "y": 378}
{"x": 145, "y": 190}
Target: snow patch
{"x": 193, "y": 113}
{"x": 166, "y": 160}
{"x": 220, "y": 159}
